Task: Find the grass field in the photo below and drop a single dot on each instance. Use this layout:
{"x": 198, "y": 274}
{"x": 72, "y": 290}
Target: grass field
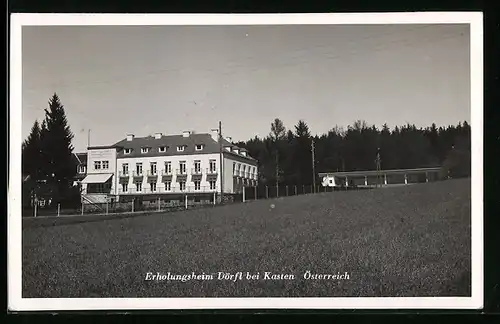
{"x": 411, "y": 241}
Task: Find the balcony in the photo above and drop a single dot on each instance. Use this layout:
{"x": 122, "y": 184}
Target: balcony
{"x": 167, "y": 172}
{"x": 166, "y": 175}
{"x": 152, "y": 174}
{"x": 137, "y": 175}
{"x": 165, "y": 190}
{"x": 124, "y": 174}
{"x": 211, "y": 171}
{"x": 181, "y": 172}
{"x": 196, "y": 172}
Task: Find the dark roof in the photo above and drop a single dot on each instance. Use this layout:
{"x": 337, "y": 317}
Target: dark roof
{"x": 80, "y": 158}
{"x": 101, "y": 147}
{"x": 171, "y": 142}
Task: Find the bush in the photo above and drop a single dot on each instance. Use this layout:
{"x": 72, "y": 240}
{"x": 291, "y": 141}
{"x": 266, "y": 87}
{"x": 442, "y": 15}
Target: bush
{"x": 457, "y": 164}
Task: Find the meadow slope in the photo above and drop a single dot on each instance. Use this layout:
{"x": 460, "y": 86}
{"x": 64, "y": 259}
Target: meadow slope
{"x": 411, "y": 241}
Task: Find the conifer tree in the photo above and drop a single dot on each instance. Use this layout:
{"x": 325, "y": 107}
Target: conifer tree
{"x": 57, "y": 149}
{"x": 31, "y": 163}
{"x": 302, "y": 153}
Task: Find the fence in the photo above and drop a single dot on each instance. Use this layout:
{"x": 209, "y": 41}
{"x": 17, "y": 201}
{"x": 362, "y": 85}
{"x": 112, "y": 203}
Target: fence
{"x": 269, "y": 192}
{"x": 164, "y": 203}
{"x": 134, "y": 206}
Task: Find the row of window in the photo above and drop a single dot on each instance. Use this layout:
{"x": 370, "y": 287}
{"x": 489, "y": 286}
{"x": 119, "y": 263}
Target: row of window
{"x": 98, "y": 165}
{"x": 238, "y": 167}
{"x": 163, "y": 149}
{"x": 98, "y": 188}
{"x": 168, "y": 186}
{"x": 168, "y": 167}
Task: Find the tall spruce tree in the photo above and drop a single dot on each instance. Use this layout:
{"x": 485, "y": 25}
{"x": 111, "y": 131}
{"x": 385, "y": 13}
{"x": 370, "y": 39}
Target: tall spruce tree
{"x": 31, "y": 162}
{"x": 57, "y": 149}
{"x": 302, "y": 153}
{"x": 278, "y": 130}
{"x": 278, "y": 138}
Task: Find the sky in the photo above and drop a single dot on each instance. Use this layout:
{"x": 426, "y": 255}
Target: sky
{"x": 116, "y": 80}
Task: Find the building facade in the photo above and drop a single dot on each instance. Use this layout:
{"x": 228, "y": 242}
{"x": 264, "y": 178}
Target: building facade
{"x": 162, "y": 166}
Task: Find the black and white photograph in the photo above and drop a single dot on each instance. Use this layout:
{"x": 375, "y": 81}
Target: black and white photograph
{"x": 245, "y": 161}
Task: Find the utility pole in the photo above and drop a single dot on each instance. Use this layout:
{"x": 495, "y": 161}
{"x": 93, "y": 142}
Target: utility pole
{"x": 277, "y": 174}
{"x": 377, "y": 162}
{"x": 221, "y": 165}
{"x": 314, "y": 172}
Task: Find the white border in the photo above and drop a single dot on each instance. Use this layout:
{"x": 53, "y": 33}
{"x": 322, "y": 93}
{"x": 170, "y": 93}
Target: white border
{"x": 17, "y": 303}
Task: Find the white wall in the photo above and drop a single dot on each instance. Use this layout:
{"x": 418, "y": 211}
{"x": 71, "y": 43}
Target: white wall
{"x": 228, "y": 175}
{"x": 174, "y": 160}
{"x": 102, "y": 155}
{"x": 329, "y": 181}
{"x": 228, "y": 171}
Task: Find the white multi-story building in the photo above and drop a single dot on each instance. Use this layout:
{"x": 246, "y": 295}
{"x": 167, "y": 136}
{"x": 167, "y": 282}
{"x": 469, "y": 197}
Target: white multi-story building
{"x": 160, "y": 166}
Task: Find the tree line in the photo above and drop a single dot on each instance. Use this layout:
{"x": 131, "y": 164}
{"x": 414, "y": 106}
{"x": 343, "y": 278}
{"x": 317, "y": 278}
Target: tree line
{"x": 285, "y": 156}
{"x": 48, "y": 167}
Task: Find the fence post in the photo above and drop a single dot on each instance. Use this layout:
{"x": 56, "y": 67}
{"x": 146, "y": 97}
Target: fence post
{"x": 255, "y": 191}
{"x": 36, "y": 205}
{"x": 295, "y": 189}
{"x": 107, "y": 206}
{"x": 286, "y": 189}
{"x": 214, "y": 198}
{"x": 303, "y": 189}
{"x": 244, "y": 193}
{"x": 277, "y": 191}
{"x": 82, "y": 207}
{"x": 186, "y": 201}
{"x": 267, "y": 192}
{"x": 133, "y": 200}
{"x": 159, "y": 204}
{"x": 58, "y": 210}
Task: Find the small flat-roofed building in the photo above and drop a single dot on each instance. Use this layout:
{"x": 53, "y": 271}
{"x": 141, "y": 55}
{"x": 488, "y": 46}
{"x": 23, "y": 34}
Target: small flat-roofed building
{"x": 372, "y": 178}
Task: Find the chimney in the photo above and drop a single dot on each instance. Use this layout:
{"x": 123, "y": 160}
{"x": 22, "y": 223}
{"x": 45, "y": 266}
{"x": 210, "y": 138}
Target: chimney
{"x": 130, "y": 137}
{"x": 186, "y": 133}
{"x": 215, "y": 134}
{"x": 158, "y": 135}
{"x": 229, "y": 139}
